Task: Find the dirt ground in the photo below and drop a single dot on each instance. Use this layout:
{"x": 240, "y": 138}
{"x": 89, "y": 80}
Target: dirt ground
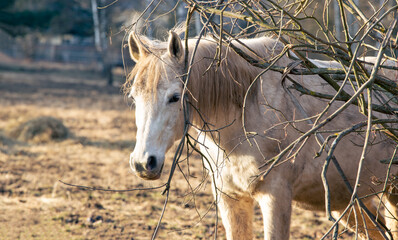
{"x": 34, "y": 204}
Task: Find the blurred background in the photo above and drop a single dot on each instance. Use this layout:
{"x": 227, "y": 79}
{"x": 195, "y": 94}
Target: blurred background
{"x": 89, "y": 34}
{"x": 86, "y": 35}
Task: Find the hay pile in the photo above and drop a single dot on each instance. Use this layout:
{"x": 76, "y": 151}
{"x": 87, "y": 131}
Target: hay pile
{"x": 5, "y": 144}
{"x": 39, "y": 130}
{"x": 6, "y": 141}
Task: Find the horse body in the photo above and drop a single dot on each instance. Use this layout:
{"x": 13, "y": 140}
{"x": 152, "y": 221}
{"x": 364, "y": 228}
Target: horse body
{"x": 235, "y": 158}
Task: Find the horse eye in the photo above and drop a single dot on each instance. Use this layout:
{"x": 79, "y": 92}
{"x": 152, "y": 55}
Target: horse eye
{"x": 174, "y": 98}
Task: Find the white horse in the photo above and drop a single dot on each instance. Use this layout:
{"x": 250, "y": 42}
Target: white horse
{"x": 217, "y": 89}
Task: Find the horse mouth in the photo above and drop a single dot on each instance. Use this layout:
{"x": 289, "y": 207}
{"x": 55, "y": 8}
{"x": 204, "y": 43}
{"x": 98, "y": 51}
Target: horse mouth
{"x": 149, "y": 175}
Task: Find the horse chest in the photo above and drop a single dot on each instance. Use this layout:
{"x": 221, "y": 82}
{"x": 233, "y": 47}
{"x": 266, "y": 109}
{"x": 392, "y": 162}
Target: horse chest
{"x": 232, "y": 173}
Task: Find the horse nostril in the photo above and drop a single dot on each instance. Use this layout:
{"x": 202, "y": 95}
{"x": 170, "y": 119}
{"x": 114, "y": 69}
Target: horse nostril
{"x": 151, "y": 163}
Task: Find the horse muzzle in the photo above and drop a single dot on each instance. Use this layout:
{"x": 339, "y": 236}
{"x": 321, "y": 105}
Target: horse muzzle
{"x": 149, "y": 169}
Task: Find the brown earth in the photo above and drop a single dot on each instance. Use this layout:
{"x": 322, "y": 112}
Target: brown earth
{"x": 34, "y": 204}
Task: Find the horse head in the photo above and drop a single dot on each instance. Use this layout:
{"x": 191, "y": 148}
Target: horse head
{"x": 157, "y": 91}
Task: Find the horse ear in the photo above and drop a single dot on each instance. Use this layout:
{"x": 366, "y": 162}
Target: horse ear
{"x": 135, "y": 47}
{"x": 175, "y": 46}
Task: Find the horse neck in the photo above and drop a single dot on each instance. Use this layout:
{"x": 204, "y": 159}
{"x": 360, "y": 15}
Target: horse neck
{"x": 217, "y": 93}
{"x": 217, "y": 89}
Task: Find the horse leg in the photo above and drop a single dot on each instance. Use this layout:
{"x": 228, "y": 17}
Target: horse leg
{"x": 276, "y": 207}
{"x": 237, "y": 216}
{"x": 358, "y": 221}
{"x": 391, "y": 212}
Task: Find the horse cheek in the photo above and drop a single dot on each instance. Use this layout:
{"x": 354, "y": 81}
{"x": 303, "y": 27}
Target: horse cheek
{"x": 179, "y": 125}
{"x": 170, "y": 134}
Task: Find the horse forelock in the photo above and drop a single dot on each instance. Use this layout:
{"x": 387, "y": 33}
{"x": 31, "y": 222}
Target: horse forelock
{"x": 145, "y": 76}
{"x": 146, "y": 73}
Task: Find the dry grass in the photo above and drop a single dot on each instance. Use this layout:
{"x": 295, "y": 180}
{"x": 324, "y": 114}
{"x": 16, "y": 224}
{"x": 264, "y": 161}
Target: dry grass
{"x": 35, "y": 205}
{"x": 40, "y": 130}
